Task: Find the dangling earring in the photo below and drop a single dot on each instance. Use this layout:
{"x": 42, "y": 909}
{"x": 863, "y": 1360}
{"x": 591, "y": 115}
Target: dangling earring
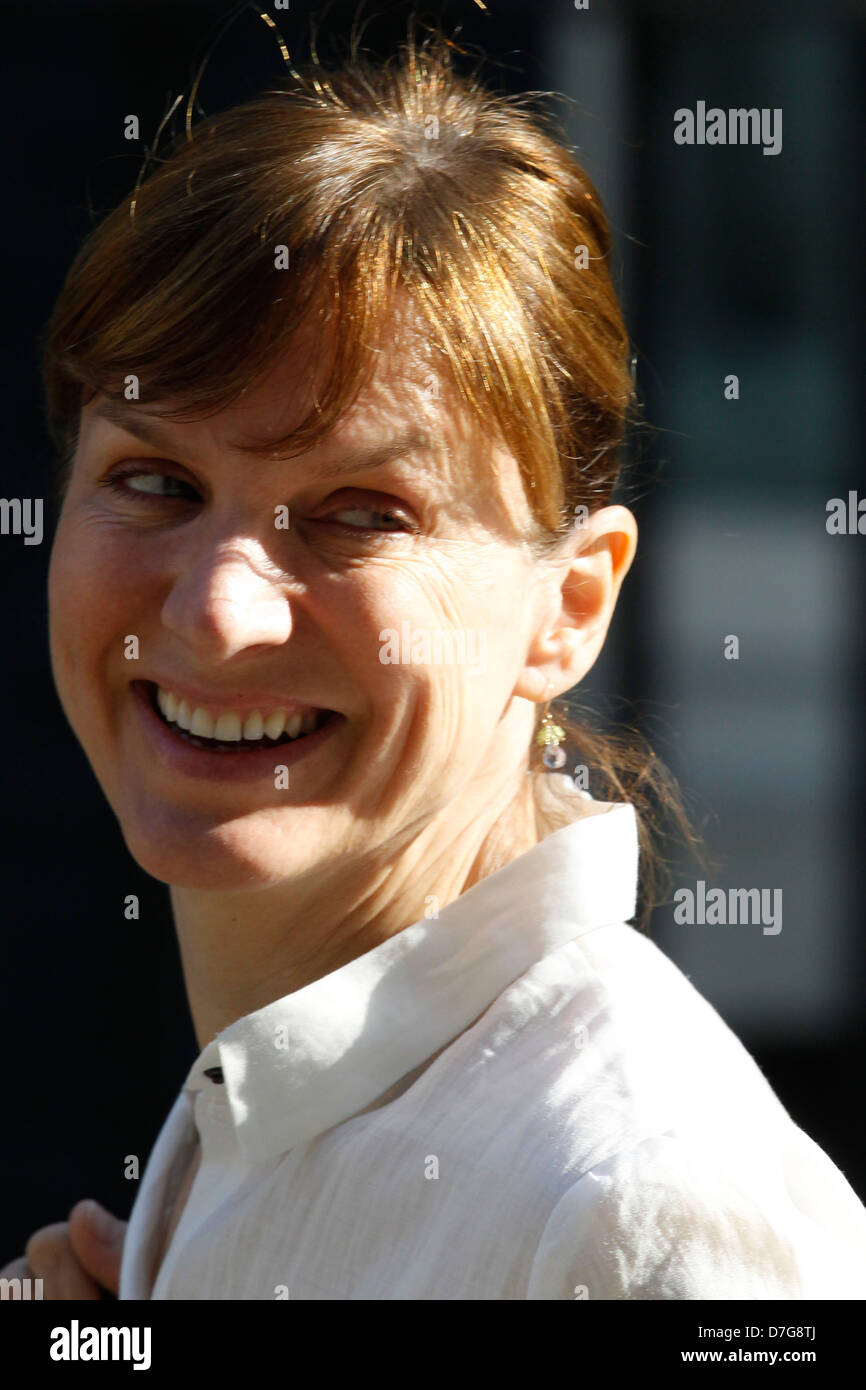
{"x": 549, "y": 736}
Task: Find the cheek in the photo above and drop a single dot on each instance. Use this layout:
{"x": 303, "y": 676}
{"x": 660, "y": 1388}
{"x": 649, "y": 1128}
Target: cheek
{"x": 460, "y": 587}
{"x": 445, "y": 634}
{"x": 90, "y": 592}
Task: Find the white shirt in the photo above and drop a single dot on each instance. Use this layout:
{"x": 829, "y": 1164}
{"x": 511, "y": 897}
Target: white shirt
{"x": 523, "y": 1098}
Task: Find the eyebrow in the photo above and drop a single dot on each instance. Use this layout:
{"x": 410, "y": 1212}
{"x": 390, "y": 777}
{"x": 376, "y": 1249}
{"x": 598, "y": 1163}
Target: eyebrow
{"x": 351, "y": 460}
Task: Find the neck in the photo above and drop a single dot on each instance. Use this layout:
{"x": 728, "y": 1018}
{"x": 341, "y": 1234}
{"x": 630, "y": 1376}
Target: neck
{"x": 241, "y": 951}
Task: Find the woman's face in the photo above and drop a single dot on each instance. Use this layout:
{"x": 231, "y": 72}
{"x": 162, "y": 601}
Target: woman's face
{"x": 246, "y": 587}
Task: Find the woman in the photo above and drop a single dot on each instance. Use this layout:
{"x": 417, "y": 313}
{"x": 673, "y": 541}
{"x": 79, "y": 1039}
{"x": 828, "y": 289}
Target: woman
{"x": 340, "y": 394}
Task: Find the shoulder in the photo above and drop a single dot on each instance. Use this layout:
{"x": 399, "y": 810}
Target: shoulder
{"x": 665, "y": 1220}
{"x": 631, "y": 1048}
{"x": 674, "y": 1170}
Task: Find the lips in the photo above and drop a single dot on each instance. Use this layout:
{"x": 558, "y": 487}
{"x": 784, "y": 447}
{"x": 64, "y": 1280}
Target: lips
{"x": 225, "y": 729}
{"x": 169, "y": 751}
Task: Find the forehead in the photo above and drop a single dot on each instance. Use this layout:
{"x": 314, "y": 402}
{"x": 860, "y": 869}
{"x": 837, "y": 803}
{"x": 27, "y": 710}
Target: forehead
{"x": 403, "y": 384}
{"x": 411, "y": 385}
{"x": 409, "y": 390}
{"x": 408, "y": 382}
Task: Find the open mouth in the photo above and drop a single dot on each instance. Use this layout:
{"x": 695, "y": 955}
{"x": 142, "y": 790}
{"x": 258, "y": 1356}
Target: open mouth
{"x": 231, "y": 733}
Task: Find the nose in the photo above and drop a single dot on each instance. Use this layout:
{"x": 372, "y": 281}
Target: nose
{"x": 228, "y": 601}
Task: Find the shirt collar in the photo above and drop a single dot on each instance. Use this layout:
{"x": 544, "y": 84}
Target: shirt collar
{"x": 310, "y": 1060}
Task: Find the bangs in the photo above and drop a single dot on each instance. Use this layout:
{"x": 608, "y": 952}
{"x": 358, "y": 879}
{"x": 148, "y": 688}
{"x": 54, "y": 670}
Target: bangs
{"x": 189, "y": 301}
{"x": 318, "y": 208}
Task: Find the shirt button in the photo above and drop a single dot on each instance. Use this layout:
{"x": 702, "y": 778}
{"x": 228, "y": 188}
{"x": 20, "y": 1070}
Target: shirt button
{"x": 215, "y": 1074}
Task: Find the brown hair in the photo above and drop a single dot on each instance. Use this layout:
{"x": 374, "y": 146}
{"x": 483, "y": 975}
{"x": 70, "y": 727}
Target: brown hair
{"x": 377, "y": 179}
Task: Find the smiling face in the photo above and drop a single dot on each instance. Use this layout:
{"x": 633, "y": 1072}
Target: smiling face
{"x": 396, "y": 594}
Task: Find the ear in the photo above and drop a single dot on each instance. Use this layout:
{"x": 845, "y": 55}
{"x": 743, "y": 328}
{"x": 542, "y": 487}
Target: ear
{"x": 577, "y": 604}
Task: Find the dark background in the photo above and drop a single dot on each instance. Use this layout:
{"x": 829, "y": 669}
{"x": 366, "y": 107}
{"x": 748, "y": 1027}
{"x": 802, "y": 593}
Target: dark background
{"x": 727, "y": 261}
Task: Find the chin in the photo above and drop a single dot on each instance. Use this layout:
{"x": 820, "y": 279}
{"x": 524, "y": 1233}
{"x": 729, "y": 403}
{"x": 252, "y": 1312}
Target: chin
{"x": 227, "y": 858}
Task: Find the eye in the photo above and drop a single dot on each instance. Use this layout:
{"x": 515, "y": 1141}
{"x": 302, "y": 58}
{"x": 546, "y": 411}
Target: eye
{"x": 393, "y": 520}
{"x": 140, "y": 486}
{"x": 354, "y": 509}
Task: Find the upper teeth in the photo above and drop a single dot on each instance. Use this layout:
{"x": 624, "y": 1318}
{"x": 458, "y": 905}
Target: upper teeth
{"x": 230, "y": 726}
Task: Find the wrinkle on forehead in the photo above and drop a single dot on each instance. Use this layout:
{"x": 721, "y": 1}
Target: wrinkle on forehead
{"x": 410, "y": 382}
